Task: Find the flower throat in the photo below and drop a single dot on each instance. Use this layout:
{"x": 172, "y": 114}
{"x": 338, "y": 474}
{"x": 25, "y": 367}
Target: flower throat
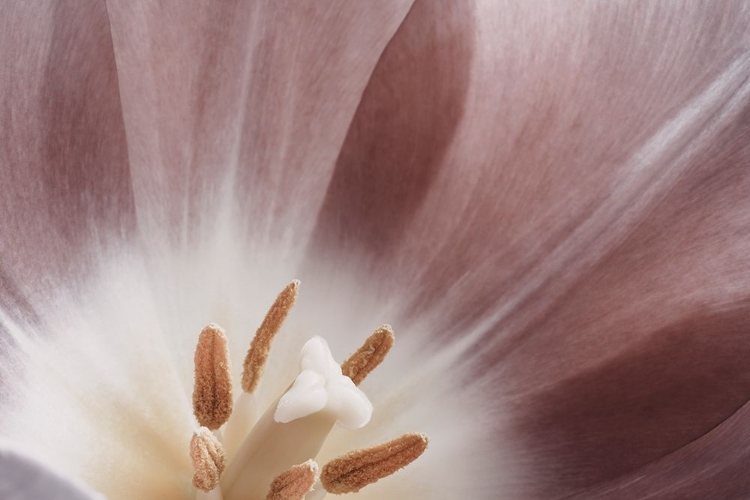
{"x": 239, "y": 453}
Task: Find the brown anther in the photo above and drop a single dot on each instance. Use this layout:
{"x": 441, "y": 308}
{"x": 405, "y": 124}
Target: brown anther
{"x": 355, "y": 470}
{"x": 370, "y": 355}
{"x": 295, "y": 483}
{"x": 257, "y": 355}
{"x": 212, "y": 392}
{"x": 208, "y": 459}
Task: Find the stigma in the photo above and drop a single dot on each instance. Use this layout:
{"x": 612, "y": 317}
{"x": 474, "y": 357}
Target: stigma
{"x": 241, "y": 451}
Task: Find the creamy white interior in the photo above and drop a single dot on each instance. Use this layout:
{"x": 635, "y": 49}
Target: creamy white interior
{"x": 101, "y": 385}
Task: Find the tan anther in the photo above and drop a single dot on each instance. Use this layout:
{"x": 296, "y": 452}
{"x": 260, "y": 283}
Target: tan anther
{"x": 212, "y": 392}
{"x": 208, "y": 459}
{"x": 295, "y": 483}
{"x": 370, "y": 355}
{"x": 257, "y": 355}
{"x": 355, "y": 470}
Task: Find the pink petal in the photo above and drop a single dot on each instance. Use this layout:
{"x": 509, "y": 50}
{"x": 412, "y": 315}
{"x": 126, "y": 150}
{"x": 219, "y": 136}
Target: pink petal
{"x": 648, "y": 350}
{"x": 534, "y": 128}
{"x": 588, "y": 204}
{"x": 397, "y": 144}
{"x": 245, "y": 100}
{"x": 713, "y": 466}
{"x": 63, "y": 159}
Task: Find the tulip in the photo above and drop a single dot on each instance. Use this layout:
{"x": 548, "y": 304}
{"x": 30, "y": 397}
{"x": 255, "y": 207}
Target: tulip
{"x": 548, "y": 200}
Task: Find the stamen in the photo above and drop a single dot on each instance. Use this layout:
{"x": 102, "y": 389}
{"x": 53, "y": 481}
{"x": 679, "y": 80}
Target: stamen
{"x": 355, "y": 470}
{"x": 212, "y": 392}
{"x": 257, "y": 355}
{"x": 370, "y": 355}
{"x": 208, "y": 459}
{"x": 295, "y": 483}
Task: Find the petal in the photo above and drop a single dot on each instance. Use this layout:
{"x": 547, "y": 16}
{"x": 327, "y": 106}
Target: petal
{"x": 584, "y": 229}
{"x": 24, "y": 478}
{"x": 541, "y": 125}
{"x": 656, "y": 341}
{"x": 63, "y": 159}
{"x": 397, "y": 143}
{"x": 307, "y": 395}
{"x": 229, "y": 106}
{"x": 713, "y": 466}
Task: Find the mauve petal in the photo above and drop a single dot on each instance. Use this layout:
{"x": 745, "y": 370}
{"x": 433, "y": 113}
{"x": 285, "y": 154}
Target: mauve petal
{"x": 404, "y": 126}
{"x": 246, "y": 100}
{"x": 397, "y": 143}
{"x": 534, "y": 126}
{"x": 647, "y": 351}
{"x": 63, "y": 158}
{"x": 590, "y": 210}
{"x": 712, "y": 467}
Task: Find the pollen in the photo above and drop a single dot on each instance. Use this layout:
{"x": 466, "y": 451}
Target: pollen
{"x": 370, "y": 355}
{"x": 257, "y": 355}
{"x": 212, "y": 392}
{"x": 295, "y": 483}
{"x": 355, "y": 470}
{"x": 208, "y": 459}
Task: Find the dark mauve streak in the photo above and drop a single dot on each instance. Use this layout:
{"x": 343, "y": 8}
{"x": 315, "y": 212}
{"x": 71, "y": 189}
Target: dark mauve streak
{"x": 241, "y": 105}
{"x": 648, "y": 352}
{"x": 714, "y": 467}
{"x": 396, "y": 143}
{"x": 561, "y": 104}
{"x": 85, "y": 157}
{"x": 595, "y": 197}
{"x": 657, "y": 397}
{"x": 568, "y": 118}
{"x": 63, "y": 158}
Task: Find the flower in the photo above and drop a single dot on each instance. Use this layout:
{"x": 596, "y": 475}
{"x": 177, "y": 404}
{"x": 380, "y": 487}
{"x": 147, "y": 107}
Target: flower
{"x": 548, "y": 201}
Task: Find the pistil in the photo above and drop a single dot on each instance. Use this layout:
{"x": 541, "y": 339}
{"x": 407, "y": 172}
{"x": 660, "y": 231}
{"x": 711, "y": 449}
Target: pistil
{"x": 295, "y": 427}
{"x": 260, "y": 455}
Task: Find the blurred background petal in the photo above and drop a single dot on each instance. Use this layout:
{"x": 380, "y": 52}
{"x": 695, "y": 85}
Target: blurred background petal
{"x": 24, "y": 478}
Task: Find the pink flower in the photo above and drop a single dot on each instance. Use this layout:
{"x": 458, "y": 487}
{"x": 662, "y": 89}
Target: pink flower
{"x": 550, "y": 202}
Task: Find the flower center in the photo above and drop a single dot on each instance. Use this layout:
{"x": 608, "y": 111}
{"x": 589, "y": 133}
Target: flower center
{"x": 239, "y": 453}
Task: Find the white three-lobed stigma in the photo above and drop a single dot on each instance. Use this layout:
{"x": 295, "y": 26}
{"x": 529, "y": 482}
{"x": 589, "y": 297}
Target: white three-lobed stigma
{"x": 320, "y": 386}
{"x": 243, "y": 453}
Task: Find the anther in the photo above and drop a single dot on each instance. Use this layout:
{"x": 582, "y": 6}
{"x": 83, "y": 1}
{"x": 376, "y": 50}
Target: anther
{"x": 370, "y": 355}
{"x": 208, "y": 459}
{"x": 257, "y": 355}
{"x": 212, "y": 392}
{"x": 295, "y": 483}
{"x": 355, "y": 470}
